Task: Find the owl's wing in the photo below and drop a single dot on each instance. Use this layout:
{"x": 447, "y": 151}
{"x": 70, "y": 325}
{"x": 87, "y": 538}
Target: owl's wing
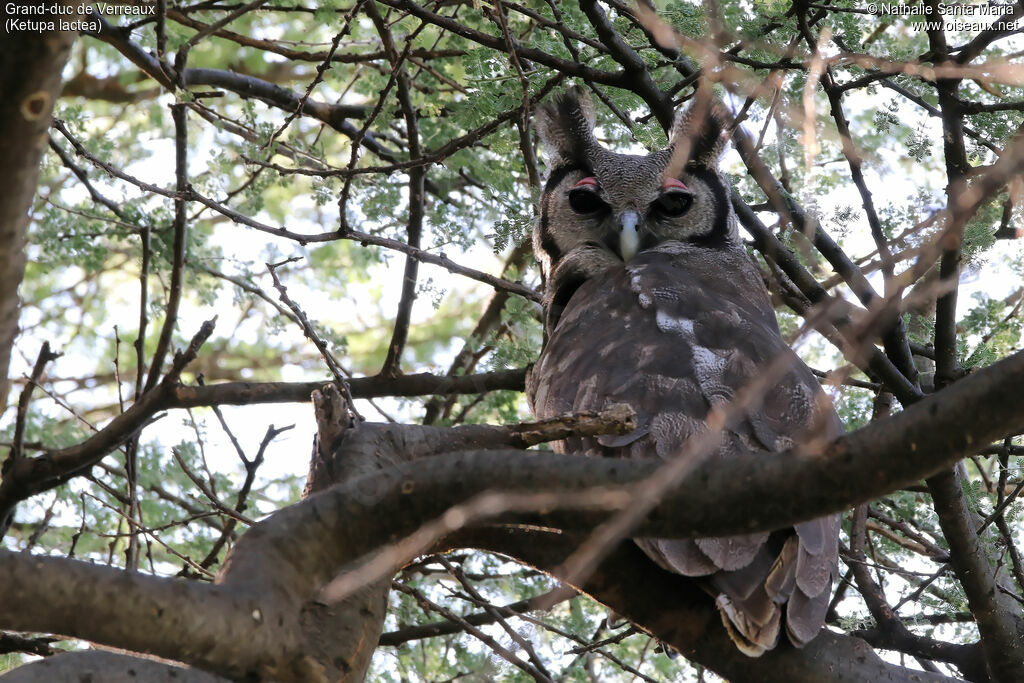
{"x": 670, "y": 335}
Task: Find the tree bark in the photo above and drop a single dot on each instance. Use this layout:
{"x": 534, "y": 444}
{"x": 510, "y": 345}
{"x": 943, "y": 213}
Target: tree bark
{"x": 106, "y": 666}
{"x": 30, "y": 79}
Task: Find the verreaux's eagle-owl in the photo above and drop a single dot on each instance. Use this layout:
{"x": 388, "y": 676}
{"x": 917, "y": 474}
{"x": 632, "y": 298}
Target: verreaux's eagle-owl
{"x": 651, "y": 300}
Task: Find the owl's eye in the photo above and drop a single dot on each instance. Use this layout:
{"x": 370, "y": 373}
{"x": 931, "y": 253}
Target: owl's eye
{"x": 583, "y": 197}
{"x": 673, "y": 203}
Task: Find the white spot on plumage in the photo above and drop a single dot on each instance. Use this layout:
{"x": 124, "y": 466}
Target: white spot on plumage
{"x": 667, "y": 323}
{"x": 706, "y": 361}
{"x": 709, "y": 368}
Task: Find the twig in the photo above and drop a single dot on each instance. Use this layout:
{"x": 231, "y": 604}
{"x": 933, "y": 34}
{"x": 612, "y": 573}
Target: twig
{"x": 311, "y": 334}
{"x": 441, "y": 628}
{"x": 478, "y": 599}
{"x": 204, "y": 487}
{"x": 18, "y": 443}
{"x": 615, "y": 419}
{"x": 29, "y": 476}
{"x": 180, "y": 245}
{"x": 417, "y": 208}
{"x": 469, "y": 628}
{"x": 251, "y": 466}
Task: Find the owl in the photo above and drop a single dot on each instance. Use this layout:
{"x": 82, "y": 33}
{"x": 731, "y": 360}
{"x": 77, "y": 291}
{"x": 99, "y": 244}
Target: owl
{"x": 651, "y": 299}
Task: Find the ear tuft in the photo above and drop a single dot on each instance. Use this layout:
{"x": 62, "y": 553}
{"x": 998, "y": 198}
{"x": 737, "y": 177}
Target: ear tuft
{"x": 702, "y": 132}
{"x": 566, "y": 126}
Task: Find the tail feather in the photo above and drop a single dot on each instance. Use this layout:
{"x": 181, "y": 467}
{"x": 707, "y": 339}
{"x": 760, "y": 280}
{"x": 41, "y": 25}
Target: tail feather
{"x": 730, "y": 553}
{"x": 805, "y": 616}
{"x": 813, "y": 572}
{"x": 681, "y": 556}
{"x": 815, "y": 534}
{"x": 752, "y": 624}
{"x": 757, "y": 581}
{"x": 781, "y": 578}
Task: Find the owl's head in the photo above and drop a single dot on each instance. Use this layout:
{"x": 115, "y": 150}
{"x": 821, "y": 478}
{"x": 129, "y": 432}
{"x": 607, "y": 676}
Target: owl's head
{"x": 612, "y": 206}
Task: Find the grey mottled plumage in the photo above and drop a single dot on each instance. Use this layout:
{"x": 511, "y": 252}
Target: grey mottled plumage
{"x": 651, "y": 299}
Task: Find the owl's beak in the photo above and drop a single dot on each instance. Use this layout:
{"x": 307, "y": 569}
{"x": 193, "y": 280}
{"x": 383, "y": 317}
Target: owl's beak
{"x": 629, "y": 237}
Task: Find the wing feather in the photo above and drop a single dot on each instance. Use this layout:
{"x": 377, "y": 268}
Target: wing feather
{"x": 813, "y": 571}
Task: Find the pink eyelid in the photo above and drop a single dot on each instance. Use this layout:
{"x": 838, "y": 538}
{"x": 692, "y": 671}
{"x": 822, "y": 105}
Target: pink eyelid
{"x": 590, "y": 182}
{"x": 673, "y": 184}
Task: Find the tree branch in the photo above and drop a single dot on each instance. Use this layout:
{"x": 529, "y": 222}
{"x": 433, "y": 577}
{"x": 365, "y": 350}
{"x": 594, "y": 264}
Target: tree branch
{"x": 673, "y": 609}
{"x": 421, "y": 384}
{"x": 274, "y": 561}
{"x": 30, "y": 70}
{"x": 712, "y": 500}
{"x": 109, "y": 667}
{"x": 28, "y": 476}
{"x": 1002, "y": 630}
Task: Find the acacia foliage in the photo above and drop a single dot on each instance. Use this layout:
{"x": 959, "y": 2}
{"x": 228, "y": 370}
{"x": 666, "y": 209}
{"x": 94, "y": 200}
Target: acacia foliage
{"x": 880, "y": 166}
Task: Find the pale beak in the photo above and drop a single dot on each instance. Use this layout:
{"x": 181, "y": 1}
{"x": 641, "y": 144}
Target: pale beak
{"x": 629, "y": 238}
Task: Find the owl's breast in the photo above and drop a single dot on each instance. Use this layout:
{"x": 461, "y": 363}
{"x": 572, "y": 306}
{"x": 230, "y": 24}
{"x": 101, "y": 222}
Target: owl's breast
{"x": 673, "y": 333}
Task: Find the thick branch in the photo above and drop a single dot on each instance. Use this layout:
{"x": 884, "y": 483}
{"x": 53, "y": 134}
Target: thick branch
{"x": 109, "y": 667}
{"x": 417, "y": 206}
{"x": 106, "y": 605}
{"x": 284, "y": 560}
{"x": 421, "y": 384}
{"x": 334, "y": 115}
{"x": 1001, "y": 629}
{"x": 789, "y": 487}
{"x": 679, "y": 614}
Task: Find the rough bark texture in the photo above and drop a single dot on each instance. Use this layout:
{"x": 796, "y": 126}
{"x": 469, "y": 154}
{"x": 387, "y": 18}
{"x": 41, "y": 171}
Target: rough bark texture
{"x": 1002, "y": 631}
{"x": 344, "y": 635}
{"x": 109, "y": 667}
{"x": 30, "y": 68}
